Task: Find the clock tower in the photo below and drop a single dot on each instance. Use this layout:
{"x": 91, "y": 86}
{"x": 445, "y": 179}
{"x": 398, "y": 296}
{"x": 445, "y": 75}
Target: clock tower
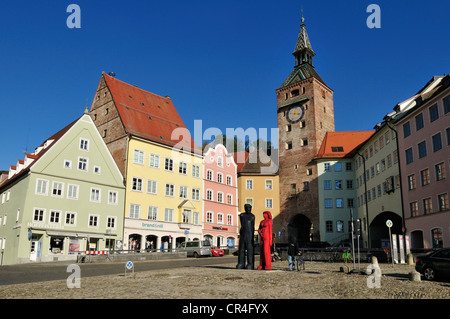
{"x": 305, "y": 113}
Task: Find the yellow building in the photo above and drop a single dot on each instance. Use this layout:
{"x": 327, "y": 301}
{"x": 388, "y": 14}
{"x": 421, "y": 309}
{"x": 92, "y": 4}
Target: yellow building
{"x": 161, "y": 164}
{"x": 258, "y": 185}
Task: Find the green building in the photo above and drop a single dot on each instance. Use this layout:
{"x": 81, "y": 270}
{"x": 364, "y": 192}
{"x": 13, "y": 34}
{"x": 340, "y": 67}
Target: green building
{"x": 64, "y": 198}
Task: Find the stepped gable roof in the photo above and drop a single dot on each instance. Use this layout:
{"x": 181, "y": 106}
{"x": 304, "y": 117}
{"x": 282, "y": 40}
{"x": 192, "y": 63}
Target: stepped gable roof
{"x": 35, "y": 156}
{"x": 342, "y": 144}
{"x": 149, "y": 116}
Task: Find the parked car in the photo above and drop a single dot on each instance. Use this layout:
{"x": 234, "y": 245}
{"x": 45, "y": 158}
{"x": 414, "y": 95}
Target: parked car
{"x": 435, "y": 264}
{"x": 196, "y": 248}
{"x": 217, "y": 251}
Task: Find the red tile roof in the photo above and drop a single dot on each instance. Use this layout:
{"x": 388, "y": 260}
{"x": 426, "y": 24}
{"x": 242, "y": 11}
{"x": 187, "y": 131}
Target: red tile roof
{"x": 342, "y": 144}
{"x": 148, "y": 115}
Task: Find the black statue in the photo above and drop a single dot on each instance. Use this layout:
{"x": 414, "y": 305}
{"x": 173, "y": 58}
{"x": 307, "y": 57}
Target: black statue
{"x": 246, "y": 241}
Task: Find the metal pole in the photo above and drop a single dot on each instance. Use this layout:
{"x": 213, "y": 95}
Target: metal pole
{"x": 392, "y": 248}
{"x": 359, "y": 256}
{"x": 353, "y": 239}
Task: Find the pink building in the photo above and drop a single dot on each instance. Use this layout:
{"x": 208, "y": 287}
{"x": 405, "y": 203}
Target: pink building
{"x": 220, "y": 198}
{"x": 423, "y": 126}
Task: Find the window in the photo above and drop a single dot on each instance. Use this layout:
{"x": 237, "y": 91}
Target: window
{"x": 268, "y": 184}
{"x": 229, "y": 181}
{"x": 84, "y": 144}
{"x": 269, "y": 202}
{"x": 446, "y": 104}
{"x": 419, "y": 121}
{"x": 168, "y": 164}
{"x": 425, "y": 177}
{"x": 328, "y": 226}
{"x": 93, "y": 221}
{"x": 196, "y": 218}
{"x": 328, "y": 203}
{"x": 427, "y": 208}
{"x": 168, "y": 214}
{"x": 70, "y": 219}
{"x": 422, "y": 148}
{"x": 437, "y": 142}
{"x": 350, "y": 202}
{"x": 413, "y": 209}
{"x": 338, "y": 167}
{"x": 55, "y": 217}
{"x": 152, "y": 187}
{"x": 152, "y": 213}
{"x": 170, "y": 188}
{"x": 219, "y": 218}
{"x": 339, "y": 203}
{"x": 220, "y": 197}
{"x": 38, "y": 215}
{"x": 288, "y": 145}
{"x": 72, "y": 191}
{"x": 436, "y": 235}
{"x": 338, "y": 184}
{"x": 154, "y": 160}
{"x": 135, "y": 211}
{"x": 111, "y": 222}
{"x": 448, "y": 135}
{"x": 41, "y": 187}
{"x": 443, "y": 202}
{"x": 209, "y": 194}
{"x": 326, "y": 167}
{"x": 349, "y": 184}
{"x": 195, "y": 171}
{"x": 95, "y": 195}
{"x": 82, "y": 164}
{"x": 209, "y": 175}
{"x": 411, "y": 182}
{"x": 182, "y": 168}
{"x": 229, "y": 219}
{"x": 440, "y": 171}
{"x": 348, "y": 166}
{"x": 138, "y": 157}
{"x": 327, "y": 184}
{"x": 406, "y": 129}
{"x": 306, "y": 186}
{"x": 219, "y": 161}
{"x": 57, "y": 189}
{"x": 219, "y": 178}
{"x": 340, "y": 226}
{"x": 67, "y": 164}
{"x": 209, "y": 217}
{"x": 434, "y": 113}
{"x": 136, "y": 184}
{"x": 409, "y": 156}
{"x": 112, "y": 198}
{"x": 196, "y": 194}
{"x": 249, "y": 184}
{"x": 249, "y": 201}
{"x": 183, "y": 192}
{"x": 229, "y": 199}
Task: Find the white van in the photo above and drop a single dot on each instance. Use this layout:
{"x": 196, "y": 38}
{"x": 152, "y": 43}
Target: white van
{"x": 196, "y": 248}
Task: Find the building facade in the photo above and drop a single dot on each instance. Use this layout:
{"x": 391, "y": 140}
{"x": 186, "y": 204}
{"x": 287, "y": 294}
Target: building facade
{"x": 162, "y": 166}
{"x": 424, "y": 143}
{"x": 337, "y": 184}
{"x": 64, "y": 198}
{"x": 305, "y": 113}
{"x": 258, "y": 185}
{"x": 220, "y": 198}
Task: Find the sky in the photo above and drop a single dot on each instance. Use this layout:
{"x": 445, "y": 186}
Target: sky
{"x": 219, "y": 61}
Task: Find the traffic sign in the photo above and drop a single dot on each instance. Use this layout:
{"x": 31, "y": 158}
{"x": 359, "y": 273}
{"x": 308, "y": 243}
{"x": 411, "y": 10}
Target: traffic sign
{"x": 389, "y": 223}
{"x": 129, "y": 265}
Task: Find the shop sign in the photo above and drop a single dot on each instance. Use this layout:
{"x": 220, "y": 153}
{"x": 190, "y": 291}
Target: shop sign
{"x": 219, "y": 228}
{"x": 154, "y": 225}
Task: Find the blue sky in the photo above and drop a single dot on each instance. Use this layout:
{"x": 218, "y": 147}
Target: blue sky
{"x": 220, "y": 61}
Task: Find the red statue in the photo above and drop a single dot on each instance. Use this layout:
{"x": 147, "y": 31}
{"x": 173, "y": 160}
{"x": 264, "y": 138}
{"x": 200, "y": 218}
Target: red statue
{"x": 265, "y": 232}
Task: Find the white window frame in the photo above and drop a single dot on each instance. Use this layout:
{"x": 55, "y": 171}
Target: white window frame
{"x": 61, "y": 190}
{"x": 37, "y": 187}
{"x": 93, "y": 219}
{"x": 74, "y": 218}
{"x": 34, "y": 215}
{"x": 152, "y": 187}
{"x": 171, "y": 188}
{"x": 85, "y": 165}
{"x": 57, "y": 215}
{"x": 93, "y": 191}
{"x": 113, "y": 200}
{"x": 72, "y": 186}
{"x": 152, "y": 213}
{"x": 138, "y": 157}
{"x": 154, "y": 161}
{"x": 133, "y": 210}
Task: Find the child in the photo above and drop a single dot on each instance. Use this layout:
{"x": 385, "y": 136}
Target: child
{"x": 300, "y": 260}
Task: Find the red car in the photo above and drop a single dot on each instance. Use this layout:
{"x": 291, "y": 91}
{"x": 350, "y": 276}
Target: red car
{"x": 217, "y": 251}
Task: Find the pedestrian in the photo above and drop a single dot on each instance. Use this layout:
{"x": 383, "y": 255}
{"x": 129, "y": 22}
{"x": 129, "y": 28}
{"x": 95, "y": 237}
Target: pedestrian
{"x": 300, "y": 261}
{"x": 346, "y": 255}
{"x": 292, "y": 252}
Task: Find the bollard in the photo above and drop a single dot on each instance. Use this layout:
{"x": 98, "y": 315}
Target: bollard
{"x": 414, "y": 276}
{"x": 374, "y": 260}
{"x": 410, "y": 259}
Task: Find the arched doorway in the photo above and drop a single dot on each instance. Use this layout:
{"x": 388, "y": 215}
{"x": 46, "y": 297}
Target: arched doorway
{"x": 299, "y": 230}
{"x": 151, "y": 242}
{"x": 379, "y": 232}
{"x": 417, "y": 239}
{"x": 134, "y": 242}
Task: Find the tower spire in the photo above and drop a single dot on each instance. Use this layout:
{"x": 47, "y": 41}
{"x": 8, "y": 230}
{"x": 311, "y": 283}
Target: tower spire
{"x": 303, "y": 52}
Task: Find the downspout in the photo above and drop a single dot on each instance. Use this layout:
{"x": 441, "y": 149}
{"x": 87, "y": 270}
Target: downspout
{"x": 365, "y": 201}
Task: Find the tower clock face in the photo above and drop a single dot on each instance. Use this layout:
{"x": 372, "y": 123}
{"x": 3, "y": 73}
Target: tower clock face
{"x": 295, "y": 114}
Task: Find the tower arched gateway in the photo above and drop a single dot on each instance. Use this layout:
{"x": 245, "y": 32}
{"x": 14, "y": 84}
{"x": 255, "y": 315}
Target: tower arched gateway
{"x": 305, "y": 114}
{"x": 379, "y": 232}
{"x": 300, "y": 230}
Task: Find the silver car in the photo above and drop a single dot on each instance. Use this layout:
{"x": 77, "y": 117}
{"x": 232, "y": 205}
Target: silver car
{"x": 196, "y": 248}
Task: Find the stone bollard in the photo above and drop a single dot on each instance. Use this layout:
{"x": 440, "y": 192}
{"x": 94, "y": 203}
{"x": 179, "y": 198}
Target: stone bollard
{"x": 410, "y": 259}
{"x": 374, "y": 260}
{"x": 414, "y": 276}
